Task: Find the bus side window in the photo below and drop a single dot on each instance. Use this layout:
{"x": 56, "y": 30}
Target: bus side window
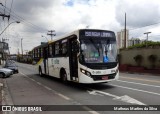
{"x": 50, "y": 51}
{"x": 45, "y": 53}
{"x": 57, "y": 48}
{"x": 41, "y": 52}
{"x": 53, "y": 50}
{"x": 64, "y": 47}
{"x": 38, "y": 53}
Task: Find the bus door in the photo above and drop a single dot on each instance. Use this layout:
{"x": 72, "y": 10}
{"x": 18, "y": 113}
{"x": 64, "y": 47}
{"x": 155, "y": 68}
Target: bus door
{"x": 45, "y": 61}
{"x": 73, "y": 62}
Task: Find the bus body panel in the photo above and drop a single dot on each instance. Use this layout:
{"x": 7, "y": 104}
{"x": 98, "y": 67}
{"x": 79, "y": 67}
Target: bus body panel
{"x": 53, "y": 64}
{"x": 83, "y": 78}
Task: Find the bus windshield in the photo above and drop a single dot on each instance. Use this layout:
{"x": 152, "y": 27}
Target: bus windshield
{"x": 98, "y": 50}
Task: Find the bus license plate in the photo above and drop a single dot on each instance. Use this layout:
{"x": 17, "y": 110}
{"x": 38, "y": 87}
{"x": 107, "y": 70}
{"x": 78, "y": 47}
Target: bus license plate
{"x": 105, "y": 78}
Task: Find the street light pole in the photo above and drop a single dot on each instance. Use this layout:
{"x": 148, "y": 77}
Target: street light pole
{"x": 147, "y": 37}
{"x": 45, "y": 37}
{"x": 2, "y": 33}
{"x": 8, "y": 26}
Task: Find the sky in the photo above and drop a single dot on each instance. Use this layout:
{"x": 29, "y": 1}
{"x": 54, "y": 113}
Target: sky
{"x": 37, "y": 17}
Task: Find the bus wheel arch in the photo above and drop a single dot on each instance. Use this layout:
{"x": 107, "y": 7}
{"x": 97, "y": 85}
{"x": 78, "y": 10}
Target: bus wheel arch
{"x": 63, "y": 75}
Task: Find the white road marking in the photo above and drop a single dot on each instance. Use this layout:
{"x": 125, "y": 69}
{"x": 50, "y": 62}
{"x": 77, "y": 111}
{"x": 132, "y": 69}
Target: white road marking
{"x": 136, "y": 89}
{"x": 138, "y": 83}
{"x": 141, "y": 79}
{"x": 32, "y": 79}
{"x": 63, "y": 96}
{"x": 39, "y": 83}
{"x": 59, "y": 94}
{"x": 47, "y": 87}
{"x": 124, "y": 98}
{"x": 94, "y": 93}
{"x": 128, "y": 99}
{"x": 23, "y": 74}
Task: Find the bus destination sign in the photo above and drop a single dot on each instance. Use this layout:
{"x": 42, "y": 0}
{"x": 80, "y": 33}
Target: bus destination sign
{"x": 89, "y": 33}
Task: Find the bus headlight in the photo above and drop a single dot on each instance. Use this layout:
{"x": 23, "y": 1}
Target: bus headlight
{"x": 85, "y": 72}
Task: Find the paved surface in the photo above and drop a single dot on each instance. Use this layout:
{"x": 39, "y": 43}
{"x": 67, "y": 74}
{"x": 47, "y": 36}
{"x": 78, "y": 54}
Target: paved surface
{"x": 27, "y": 88}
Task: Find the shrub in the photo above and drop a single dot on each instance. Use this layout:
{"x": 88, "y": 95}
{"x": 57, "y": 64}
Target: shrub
{"x": 143, "y": 45}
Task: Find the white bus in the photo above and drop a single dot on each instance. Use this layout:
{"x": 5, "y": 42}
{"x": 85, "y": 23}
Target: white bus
{"x": 83, "y": 56}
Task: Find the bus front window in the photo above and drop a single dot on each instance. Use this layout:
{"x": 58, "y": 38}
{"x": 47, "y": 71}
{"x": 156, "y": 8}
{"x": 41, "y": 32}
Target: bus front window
{"x": 98, "y": 51}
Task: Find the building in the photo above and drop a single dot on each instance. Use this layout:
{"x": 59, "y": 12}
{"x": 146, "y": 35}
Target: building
{"x": 133, "y": 41}
{"x": 120, "y": 38}
{"x": 3, "y": 51}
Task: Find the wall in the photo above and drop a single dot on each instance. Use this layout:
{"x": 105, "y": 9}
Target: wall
{"x": 127, "y": 56}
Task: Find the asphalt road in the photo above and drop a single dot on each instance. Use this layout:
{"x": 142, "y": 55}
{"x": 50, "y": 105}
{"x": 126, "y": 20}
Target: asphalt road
{"x": 27, "y": 88}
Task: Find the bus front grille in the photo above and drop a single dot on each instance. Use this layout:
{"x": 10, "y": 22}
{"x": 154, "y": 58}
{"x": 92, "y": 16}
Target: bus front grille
{"x": 103, "y": 77}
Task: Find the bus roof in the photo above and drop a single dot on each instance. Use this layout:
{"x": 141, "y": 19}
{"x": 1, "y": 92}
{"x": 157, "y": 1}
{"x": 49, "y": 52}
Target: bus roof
{"x": 73, "y": 33}
{"x": 66, "y": 35}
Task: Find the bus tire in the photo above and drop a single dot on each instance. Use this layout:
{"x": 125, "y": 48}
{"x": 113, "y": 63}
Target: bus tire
{"x": 40, "y": 71}
{"x": 63, "y": 75}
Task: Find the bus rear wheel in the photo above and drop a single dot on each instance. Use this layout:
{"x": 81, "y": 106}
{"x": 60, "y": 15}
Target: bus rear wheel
{"x": 63, "y": 76}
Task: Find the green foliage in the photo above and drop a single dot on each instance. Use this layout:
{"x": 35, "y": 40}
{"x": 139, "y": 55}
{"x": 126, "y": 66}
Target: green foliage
{"x": 144, "y": 44}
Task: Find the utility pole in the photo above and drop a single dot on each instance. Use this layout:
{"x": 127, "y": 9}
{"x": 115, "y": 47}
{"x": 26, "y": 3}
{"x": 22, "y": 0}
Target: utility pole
{"x": 4, "y": 15}
{"x": 51, "y": 33}
{"x": 147, "y": 37}
{"x": 125, "y": 32}
{"x": 4, "y": 40}
{"x": 22, "y": 47}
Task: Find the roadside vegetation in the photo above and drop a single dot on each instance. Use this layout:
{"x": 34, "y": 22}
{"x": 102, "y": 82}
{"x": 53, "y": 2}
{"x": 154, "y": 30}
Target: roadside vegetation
{"x": 150, "y": 44}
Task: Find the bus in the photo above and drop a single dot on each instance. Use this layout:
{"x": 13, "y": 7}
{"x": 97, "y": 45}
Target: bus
{"x": 83, "y": 56}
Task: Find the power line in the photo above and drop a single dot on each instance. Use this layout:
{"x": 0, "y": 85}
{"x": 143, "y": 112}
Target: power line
{"x": 146, "y": 26}
{"x": 15, "y": 16}
{"x": 25, "y": 22}
{"x": 5, "y": 6}
{"x": 11, "y": 7}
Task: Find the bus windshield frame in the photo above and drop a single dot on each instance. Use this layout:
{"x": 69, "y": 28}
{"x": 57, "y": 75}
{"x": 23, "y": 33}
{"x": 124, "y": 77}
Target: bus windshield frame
{"x": 97, "y": 47}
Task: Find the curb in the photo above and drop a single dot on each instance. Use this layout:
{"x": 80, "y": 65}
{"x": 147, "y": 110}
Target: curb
{"x": 6, "y": 97}
{"x": 148, "y": 74}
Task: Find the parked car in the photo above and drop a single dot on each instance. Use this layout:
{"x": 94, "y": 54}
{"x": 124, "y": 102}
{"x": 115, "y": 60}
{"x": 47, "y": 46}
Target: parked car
{"x": 4, "y": 72}
{"x": 12, "y": 66}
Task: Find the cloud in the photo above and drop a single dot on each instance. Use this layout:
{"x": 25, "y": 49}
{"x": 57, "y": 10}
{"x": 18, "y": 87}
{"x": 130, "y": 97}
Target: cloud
{"x": 64, "y": 16}
{"x": 139, "y": 12}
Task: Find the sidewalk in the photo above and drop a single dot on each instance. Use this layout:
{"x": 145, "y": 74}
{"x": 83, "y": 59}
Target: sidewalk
{"x": 1, "y": 88}
{"x": 1, "y": 93}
